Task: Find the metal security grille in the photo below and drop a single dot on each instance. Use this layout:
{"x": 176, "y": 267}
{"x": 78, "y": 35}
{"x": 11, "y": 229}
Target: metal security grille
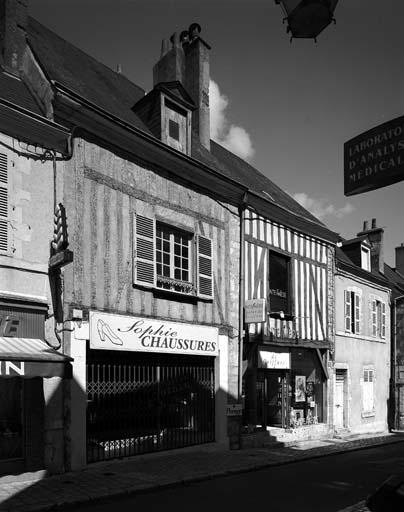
{"x": 138, "y": 403}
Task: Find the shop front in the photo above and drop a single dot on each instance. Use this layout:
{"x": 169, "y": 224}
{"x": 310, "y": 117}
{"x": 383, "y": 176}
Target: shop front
{"x": 26, "y": 361}
{"x": 150, "y": 385}
{"x": 285, "y": 388}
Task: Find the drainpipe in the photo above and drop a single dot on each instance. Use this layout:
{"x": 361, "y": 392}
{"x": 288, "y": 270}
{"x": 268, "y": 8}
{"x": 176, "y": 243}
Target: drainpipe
{"x": 242, "y": 209}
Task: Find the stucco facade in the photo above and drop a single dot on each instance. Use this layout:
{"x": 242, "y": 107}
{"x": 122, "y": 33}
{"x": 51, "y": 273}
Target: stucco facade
{"x": 362, "y": 358}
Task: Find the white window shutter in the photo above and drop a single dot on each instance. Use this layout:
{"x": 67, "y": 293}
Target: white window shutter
{"x": 144, "y": 253}
{"x": 357, "y": 313}
{"x": 383, "y": 329}
{"x": 4, "y": 202}
{"x": 204, "y": 274}
{"x": 348, "y": 309}
{"x": 374, "y": 318}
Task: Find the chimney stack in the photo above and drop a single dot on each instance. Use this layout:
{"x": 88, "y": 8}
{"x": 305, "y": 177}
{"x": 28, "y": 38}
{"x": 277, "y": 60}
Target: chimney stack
{"x": 400, "y": 259}
{"x": 13, "y": 24}
{"x": 171, "y": 66}
{"x": 375, "y": 236}
{"x": 187, "y": 60}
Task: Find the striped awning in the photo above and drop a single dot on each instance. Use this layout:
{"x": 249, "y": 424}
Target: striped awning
{"x": 28, "y": 357}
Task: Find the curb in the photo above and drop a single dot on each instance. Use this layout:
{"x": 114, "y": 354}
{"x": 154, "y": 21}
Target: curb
{"x": 148, "y": 487}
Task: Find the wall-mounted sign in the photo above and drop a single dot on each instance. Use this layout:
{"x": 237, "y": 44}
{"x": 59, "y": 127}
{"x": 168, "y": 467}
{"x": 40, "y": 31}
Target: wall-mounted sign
{"x": 234, "y": 409}
{"x": 116, "y": 332}
{"x": 255, "y": 311}
{"x": 274, "y": 360}
{"x": 374, "y": 158}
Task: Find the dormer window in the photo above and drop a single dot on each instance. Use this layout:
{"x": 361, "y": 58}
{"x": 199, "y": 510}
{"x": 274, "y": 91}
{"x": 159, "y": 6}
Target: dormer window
{"x": 175, "y": 126}
{"x": 365, "y": 258}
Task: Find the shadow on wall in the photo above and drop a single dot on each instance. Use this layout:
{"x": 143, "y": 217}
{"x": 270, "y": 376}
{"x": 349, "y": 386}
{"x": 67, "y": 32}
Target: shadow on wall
{"x": 178, "y": 412}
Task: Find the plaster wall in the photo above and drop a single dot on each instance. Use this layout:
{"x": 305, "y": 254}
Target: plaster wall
{"x": 355, "y": 352}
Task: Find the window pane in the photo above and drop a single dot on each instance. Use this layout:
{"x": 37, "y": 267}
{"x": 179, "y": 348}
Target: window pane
{"x": 177, "y": 261}
{"x": 166, "y": 259}
{"x": 177, "y": 249}
{"x": 177, "y": 273}
{"x": 279, "y": 283}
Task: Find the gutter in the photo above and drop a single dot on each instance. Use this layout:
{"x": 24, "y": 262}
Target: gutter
{"x": 77, "y": 102}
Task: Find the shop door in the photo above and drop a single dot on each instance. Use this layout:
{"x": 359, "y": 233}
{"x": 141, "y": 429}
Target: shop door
{"x": 273, "y": 409}
{"x": 138, "y": 403}
{"x": 339, "y": 400}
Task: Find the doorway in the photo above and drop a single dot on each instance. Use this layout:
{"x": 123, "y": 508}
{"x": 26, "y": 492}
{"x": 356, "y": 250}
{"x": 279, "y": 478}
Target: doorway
{"x": 339, "y": 399}
{"x": 273, "y": 398}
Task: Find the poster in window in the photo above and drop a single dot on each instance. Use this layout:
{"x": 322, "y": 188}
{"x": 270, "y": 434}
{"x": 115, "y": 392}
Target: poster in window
{"x": 278, "y": 283}
{"x": 300, "y": 388}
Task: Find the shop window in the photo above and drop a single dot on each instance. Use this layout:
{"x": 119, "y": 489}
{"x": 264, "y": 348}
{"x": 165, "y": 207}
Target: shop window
{"x": 378, "y": 318}
{"x": 172, "y": 259}
{"x": 368, "y": 391}
{"x": 352, "y": 312}
{"x": 279, "y": 283}
{"x": 4, "y": 202}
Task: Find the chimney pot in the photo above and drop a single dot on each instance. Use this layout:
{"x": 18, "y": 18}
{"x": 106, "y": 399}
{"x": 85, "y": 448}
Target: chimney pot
{"x": 400, "y": 258}
{"x": 365, "y": 225}
{"x": 119, "y": 69}
{"x": 373, "y": 223}
{"x": 194, "y": 30}
{"x": 165, "y": 47}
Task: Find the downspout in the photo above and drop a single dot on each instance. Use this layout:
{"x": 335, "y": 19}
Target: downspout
{"x": 242, "y": 209}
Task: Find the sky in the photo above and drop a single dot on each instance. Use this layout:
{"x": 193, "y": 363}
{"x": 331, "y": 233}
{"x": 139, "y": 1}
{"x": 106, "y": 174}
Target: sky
{"x": 286, "y": 107}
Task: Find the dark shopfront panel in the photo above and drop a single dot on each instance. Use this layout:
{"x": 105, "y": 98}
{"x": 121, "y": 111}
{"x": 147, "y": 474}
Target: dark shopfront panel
{"x": 287, "y": 397}
{"x": 139, "y": 403}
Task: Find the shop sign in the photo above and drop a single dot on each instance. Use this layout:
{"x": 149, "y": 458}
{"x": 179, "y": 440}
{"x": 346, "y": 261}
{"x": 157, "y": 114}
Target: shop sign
{"x": 255, "y": 311}
{"x": 374, "y": 158}
{"x": 12, "y": 368}
{"x": 274, "y": 360}
{"x": 137, "y": 334}
{"x": 234, "y": 409}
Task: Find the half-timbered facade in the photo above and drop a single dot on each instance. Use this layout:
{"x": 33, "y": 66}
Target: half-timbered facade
{"x": 287, "y": 347}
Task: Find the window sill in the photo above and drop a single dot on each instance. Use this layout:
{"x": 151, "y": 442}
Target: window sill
{"x": 368, "y": 414}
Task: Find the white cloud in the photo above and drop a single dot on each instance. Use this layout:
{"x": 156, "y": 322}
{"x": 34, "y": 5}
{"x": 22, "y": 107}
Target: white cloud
{"x": 234, "y": 138}
{"x": 321, "y": 208}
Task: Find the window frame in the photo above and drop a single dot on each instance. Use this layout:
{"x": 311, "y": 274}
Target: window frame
{"x": 200, "y": 257}
{"x": 365, "y": 258}
{"x": 352, "y": 311}
{"x": 190, "y": 283}
{"x": 5, "y": 188}
{"x": 378, "y": 318}
{"x": 368, "y": 391}
{"x": 288, "y": 260}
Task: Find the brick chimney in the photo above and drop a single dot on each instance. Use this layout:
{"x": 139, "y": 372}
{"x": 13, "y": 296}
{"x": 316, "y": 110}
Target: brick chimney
{"x": 400, "y": 259}
{"x": 13, "y": 24}
{"x": 186, "y": 59}
{"x": 375, "y": 236}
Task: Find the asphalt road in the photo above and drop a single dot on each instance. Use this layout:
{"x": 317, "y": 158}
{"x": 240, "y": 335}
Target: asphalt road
{"x": 326, "y": 484}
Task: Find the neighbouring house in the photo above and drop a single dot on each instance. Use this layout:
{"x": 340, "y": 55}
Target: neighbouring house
{"x": 363, "y": 335}
{"x": 32, "y": 366}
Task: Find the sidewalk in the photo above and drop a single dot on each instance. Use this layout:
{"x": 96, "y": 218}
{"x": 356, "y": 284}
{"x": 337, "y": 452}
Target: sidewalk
{"x": 153, "y": 471}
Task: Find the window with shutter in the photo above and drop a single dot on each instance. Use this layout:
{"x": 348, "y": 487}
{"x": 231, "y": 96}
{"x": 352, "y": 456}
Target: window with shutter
{"x": 204, "y": 267}
{"x": 4, "y": 202}
{"x": 374, "y": 318}
{"x": 144, "y": 267}
{"x": 357, "y": 313}
{"x": 348, "y": 311}
{"x": 368, "y": 391}
{"x": 383, "y": 326}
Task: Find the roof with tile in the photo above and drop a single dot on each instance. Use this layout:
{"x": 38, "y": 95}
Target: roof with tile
{"x": 115, "y": 94}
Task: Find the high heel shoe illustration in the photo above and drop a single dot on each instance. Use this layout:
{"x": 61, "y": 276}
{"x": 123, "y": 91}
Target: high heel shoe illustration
{"x": 105, "y": 332}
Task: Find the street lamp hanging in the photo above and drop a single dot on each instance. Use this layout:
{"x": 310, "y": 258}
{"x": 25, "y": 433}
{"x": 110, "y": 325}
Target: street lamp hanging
{"x": 307, "y": 18}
